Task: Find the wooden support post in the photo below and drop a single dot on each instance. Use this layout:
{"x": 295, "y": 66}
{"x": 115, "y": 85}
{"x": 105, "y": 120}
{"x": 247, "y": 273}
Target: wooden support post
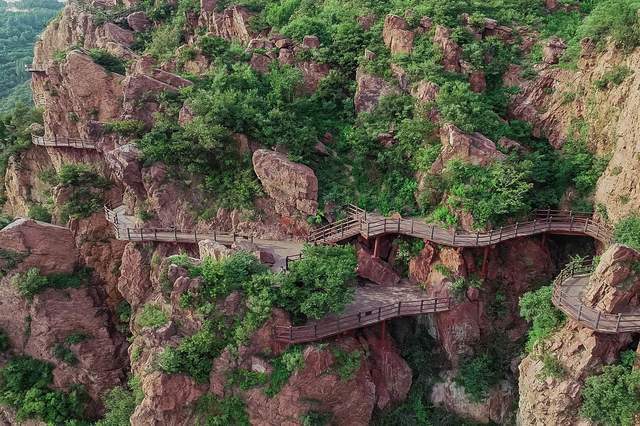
{"x": 435, "y": 305}
{"x": 128, "y": 234}
{"x": 376, "y": 247}
{"x": 433, "y": 228}
{"x": 379, "y": 312}
{"x": 290, "y": 333}
{"x": 579, "y": 312}
{"x": 421, "y": 305}
{"x": 454, "y": 237}
{"x": 485, "y": 262}
{"x": 155, "y": 234}
{"x": 398, "y": 225}
{"x": 411, "y": 226}
{"x": 399, "y": 307}
{"x": 618, "y": 322}
{"x": 477, "y": 238}
{"x": 175, "y": 233}
{"x": 517, "y": 224}
{"x": 501, "y": 230}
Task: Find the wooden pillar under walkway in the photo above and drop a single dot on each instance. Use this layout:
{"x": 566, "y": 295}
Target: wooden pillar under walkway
{"x": 377, "y": 246}
{"x": 485, "y": 262}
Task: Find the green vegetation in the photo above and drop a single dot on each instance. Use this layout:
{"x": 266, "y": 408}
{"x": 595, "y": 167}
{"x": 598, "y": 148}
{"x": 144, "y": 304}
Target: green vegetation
{"x": 407, "y": 249}
{"x": 229, "y": 411}
{"x": 108, "y": 61}
{"x": 537, "y": 308}
{"x": 152, "y": 316}
{"x": 9, "y": 259}
{"x": 120, "y": 403}
{"x": 86, "y": 191}
{"x": 346, "y": 363}
{"x": 552, "y": 367}
{"x": 20, "y": 23}
{"x": 283, "y": 367}
{"x": 627, "y": 231}
{"x": 613, "y": 397}
{"x": 130, "y": 128}
{"x": 477, "y": 375}
{"x": 24, "y": 385}
{"x": 39, "y": 212}
{"x": 30, "y": 283}
{"x": 614, "y": 77}
{"x": 5, "y": 344}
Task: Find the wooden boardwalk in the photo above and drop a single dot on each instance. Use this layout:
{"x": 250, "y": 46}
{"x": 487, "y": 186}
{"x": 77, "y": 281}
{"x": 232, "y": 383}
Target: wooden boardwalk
{"x": 568, "y": 286}
{"x": 63, "y": 142}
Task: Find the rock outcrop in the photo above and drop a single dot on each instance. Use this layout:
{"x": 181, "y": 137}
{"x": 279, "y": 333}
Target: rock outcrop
{"x": 451, "y": 52}
{"x": 369, "y": 91}
{"x": 614, "y": 287}
{"x": 293, "y": 186}
{"x": 472, "y": 148}
{"x": 396, "y": 35}
{"x": 231, "y": 24}
{"x": 376, "y": 270}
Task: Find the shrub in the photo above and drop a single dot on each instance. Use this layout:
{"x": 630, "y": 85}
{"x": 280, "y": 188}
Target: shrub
{"x": 62, "y": 352}
{"x": 119, "y": 404}
{"x": 346, "y": 363}
{"x": 110, "y": 62}
{"x": 478, "y": 375}
{"x": 9, "y": 259}
{"x": 133, "y": 128}
{"x": 613, "y": 397}
{"x": 152, "y": 316}
{"x": 627, "y": 231}
{"x": 537, "y": 308}
{"x": 247, "y": 379}
{"x": 320, "y": 283}
{"x": 39, "y": 212}
{"x": 25, "y": 386}
{"x": 614, "y": 77}
{"x": 407, "y": 249}
{"x": 229, "y": 411}
{"x": 5, "y": 344}
{"x": 283, "y": 367}
{"x": 316, "y": 418}
{"x": 552, "y": 367}
{"x": 86, "y": 191}
{"x": 30, "y": 282}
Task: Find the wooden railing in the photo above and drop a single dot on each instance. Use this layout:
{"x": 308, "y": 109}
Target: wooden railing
{"x": 63, "y": 142}
{"x": 570, "y": 302}
{"x": 332, "y": 327}
{"x": 345, "y": 228}
{"x": 171, "y": 235}
{"x": 544, "y": 221}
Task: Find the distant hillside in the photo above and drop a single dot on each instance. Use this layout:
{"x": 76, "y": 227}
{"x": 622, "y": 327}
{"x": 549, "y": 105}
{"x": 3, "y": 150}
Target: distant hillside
{"x": 20, "y": 23}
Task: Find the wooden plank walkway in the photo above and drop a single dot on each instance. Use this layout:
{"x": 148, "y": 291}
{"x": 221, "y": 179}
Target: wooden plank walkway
{"x": 63, "y": 142}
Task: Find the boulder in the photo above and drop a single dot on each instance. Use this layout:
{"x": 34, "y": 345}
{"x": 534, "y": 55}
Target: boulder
{"x": 139, "y": 22}
{"x": 215, "y": 250}
{"x": 135, "y": 283}
{"x": 472, "y": 148}
{"x": 451, "y": 52}
{"x": 311, "y": 42}
{"x": 614, "y": 287}
{"x": 376, "y": 270}
{"x": 420, "y": 266}
{"x": 425, "y": 91}
{"x": 293, "y": 186}
{"x": 369, "y": 91}
{"x": 396, "y": 36}
{"x": 312, "y": 74}
{"x": 260, "y": 63}
{"x": 50, "y": 248}
{"x": 553, "y": 50}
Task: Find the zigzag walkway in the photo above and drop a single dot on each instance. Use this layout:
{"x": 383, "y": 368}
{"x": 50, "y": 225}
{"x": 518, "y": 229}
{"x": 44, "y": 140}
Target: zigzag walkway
{"x": 569, "y": 285}
{"x": 63, "y": 142}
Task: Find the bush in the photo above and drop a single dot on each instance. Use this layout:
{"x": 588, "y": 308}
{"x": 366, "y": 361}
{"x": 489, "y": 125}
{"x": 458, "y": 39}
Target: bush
{"x": 25, "y": 387}
{"x": 120, "y": 404}
{"x": 152, "y": 316}
{"x": 552, "y": 367}
{"x": 478, "y": 375}
{"x": 110, "y": 62}
{"x": 320, "y": 283}
{"x": 627, "y": 231}
{"x": 39, "y": 212}
{"x": 5, "y": 344}
{"x": 283, "y": 367}
{"x": 86, "y": 191}
{"x": 407, "y": 250}
{"x": 613, "y": 397}
{"x": 537, "y": 308}
{"x": 133, "y": 128}
{"x": 30, "y": 283}
{"x": 346, "y": 363}
{"x": 614, "y": 77}
{"x": 229, "y": 411}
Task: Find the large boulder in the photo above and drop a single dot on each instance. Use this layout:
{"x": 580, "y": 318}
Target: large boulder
{"x": 47, "y": 247}
{"x": 139, "y": 22}
{"x": 369, "y": 91}
{"x": 472, "y": 148}
{"x": 614, "y": 287}
{"x": 396, "y": 35}
{"x": 293, "y": 186}
{"x": 451, "y": 52}
{"x": 376, "y": 270}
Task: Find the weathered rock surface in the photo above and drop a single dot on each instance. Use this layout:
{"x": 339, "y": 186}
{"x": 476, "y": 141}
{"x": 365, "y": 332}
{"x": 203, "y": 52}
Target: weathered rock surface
{"x": 553, "y": 50}
{"x": 472, "y": 148}
{"x": 451, "y": 52}
{"x": 556, "y": 401}
{"x": 376, "y": 270}
{"x": 369, "y": 91}
{"x": 139, "y": 21}
{"x": 47, "y": 247}
{"x": 614, "y": 287}
{"x": 396, "y": 35}
{"x": 231, "y": 24}
{"x": 294, "y": 186}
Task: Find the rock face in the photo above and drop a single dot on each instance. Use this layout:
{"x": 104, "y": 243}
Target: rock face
{"x": 470, "y": 148}
{"x": 555, "y": 401}
{"x": 369, "y": 91}
{"x": 497, "y": 407}
{"x": 614, "y": 287}
{"x": 231, "y": 24}
{"x": 553, "y": 50}
{"x": 139, "y": 22}
{"x": 294, "y": 186}
{"x": 396, "y": 35}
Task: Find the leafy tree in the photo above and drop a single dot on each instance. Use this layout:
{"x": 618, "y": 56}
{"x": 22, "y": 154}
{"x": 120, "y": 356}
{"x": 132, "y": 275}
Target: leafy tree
{"x": 537, "y": 308}
{"x": 627, "y": 231}
{"x": 320, "y": 283}
{"x": 612, "y": 398}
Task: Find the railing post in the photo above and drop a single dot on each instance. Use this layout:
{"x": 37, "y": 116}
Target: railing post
{"x": 155, "y": 234}
{"x": 175, "y": 233}
{"x": 421, "y": 305}
{"x": 517, "y": 224}
{"x": 618, "y": 322}
{"x": 435, "y": 305}
{"x": 359, "y": 317}
{"x": 411, "y": 226}
{"x": 338, "y": 324}
{"x": 195, "y": 235}
{"x": 477, "y": 237}
{"x": 586, "y": 226}
{"x": 500, "y": 237}
{"x": 399, "y": 307}
{"x": 290, "y": 333}
{"x": 534, "y": 226}
{"x": 215, "y": 235}
{"x": 368, "y": 229}
{"x": 598, "y": 320}
{"x": 379, "y": 312}
{"x": 571, "y": 223}
{"x": 454, "y": 237}
{"x": 398, "y": 225}
{"x": 433, "y": 228}
{"x": 384, "y": 227}
{"x": 128, "y": 233}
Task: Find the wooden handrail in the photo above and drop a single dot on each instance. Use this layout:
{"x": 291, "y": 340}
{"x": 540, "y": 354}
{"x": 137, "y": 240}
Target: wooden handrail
{"x": 64, "y": 142}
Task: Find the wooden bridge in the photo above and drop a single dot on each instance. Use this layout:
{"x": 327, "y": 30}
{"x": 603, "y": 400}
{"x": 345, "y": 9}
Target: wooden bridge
{"x": 64, "y": 142}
